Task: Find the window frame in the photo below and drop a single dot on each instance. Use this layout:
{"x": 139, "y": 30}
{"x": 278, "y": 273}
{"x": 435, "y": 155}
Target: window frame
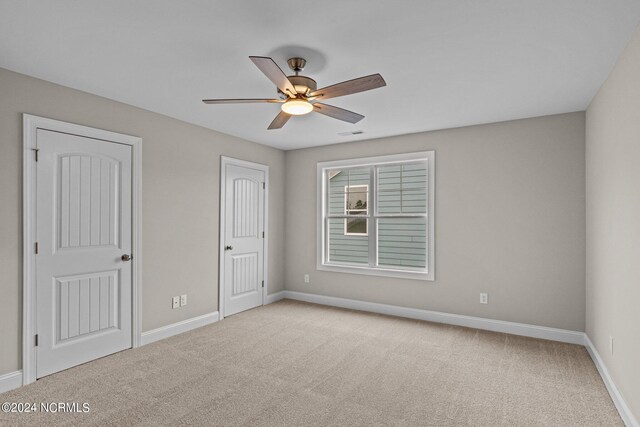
{"x": 324, "y": 168}
{"x": 347, "y": 211}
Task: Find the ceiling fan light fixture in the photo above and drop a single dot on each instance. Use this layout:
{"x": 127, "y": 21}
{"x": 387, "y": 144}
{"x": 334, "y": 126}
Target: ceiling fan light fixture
{"x": 299, "y": 95}
{"x": 297, "y": 107}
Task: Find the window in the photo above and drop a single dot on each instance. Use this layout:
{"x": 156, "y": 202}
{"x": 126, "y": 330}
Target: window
{"x": 355, "y": 204}
{"x": 376, "y": 215}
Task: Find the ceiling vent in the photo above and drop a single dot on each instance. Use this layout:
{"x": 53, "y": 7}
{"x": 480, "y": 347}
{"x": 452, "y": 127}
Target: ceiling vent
{"x": 355, "y": 132}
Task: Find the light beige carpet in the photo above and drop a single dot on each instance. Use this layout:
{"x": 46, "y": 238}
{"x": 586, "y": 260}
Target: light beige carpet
{"x": 295, "y": 364}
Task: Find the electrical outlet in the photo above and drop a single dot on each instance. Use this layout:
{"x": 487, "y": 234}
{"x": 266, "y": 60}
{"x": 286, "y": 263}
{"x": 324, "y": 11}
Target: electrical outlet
{"x": 183, "y": 300}
{"x": 610, "y": 344}
{"x": 484, "y": 298}
{"x": 306, "y": 278}
{"x": 175, "y": 302}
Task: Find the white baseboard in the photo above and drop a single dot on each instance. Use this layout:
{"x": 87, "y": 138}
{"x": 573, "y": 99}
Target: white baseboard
{"x": 543, "y": 332}
{"x": 10, "y": 381}
{"x": 271, "y": 298}
{"x": 621, "y": 405}
{"x": 179, "y": 327}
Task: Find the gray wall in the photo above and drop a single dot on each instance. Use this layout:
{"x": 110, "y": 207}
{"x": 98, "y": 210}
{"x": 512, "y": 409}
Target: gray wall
{"x": 613, "y": 223}
{"x": 180, "y": 219}
{"x": 509, "y": 217}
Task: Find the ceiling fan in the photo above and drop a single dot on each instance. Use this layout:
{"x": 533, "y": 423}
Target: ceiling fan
{"x": 299, "y": 95}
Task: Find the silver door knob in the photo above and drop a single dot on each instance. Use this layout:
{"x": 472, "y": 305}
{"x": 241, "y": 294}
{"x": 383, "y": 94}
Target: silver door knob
{"x": 228, "y": 248}
{"x": 126, "y": 257}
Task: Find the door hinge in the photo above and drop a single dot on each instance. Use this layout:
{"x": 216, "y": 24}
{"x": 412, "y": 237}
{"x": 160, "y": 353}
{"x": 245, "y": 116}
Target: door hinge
{"x": 263, "y": 234}
{"x": 36, "y": 340}
{"x": 263, "y": 283}
{"x": 36, "y": 248}
{"x": 36, "y": 151}
{"x": 264, "y": 185}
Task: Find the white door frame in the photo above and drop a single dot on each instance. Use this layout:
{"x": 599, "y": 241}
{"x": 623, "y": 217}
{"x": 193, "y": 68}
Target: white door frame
{"x": 30, "y": 125}
{"x": 224, "y": 161}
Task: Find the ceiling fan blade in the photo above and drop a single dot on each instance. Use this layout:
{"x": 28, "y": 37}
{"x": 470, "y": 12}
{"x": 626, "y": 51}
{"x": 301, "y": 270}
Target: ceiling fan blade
{"x": 280, "y": 120}
{"x": 240, "y": 101}
{"x": 275, "y": 74}
{"x": 361, "y": 84}
{"x": 337, "y": 113}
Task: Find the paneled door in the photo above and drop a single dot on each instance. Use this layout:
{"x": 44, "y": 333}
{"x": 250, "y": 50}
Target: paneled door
{"x": 83, "y": 268}
{"x": 243, "y": 238}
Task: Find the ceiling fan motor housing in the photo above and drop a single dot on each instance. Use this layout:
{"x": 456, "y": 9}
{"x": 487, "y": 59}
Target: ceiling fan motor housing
{"x": 303, "y": 84}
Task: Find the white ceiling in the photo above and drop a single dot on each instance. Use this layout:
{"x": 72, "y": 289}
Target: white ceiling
{"x": 447, "y": 63}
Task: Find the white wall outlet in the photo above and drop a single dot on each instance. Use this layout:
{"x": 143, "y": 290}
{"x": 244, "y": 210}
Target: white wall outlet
{"x": 484, "y": 298}
{"x": 183, "y": 300}
{"x": 175, "y": 302}
{"x": 610, "y": 344}
{"x": 306, "y": 278}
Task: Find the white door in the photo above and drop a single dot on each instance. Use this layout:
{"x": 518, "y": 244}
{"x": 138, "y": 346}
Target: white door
{"x": 83, "y": 230}
{"x": 243, "y": 238}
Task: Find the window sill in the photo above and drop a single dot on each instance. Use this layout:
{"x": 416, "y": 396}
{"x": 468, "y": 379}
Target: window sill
{"x": 381, "y": 272}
